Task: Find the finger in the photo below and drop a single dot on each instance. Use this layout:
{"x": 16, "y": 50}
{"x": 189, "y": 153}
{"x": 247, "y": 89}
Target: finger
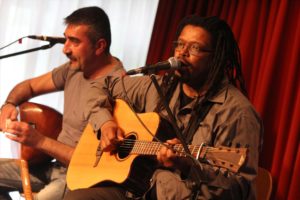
{"x": 120, "y": 135}
{"x": 104, "y": 143}
{"x": 11, "y": 134}
{"x": 173, "y": 141}
{"x": 14, "y": 115}
{"x": 12, "y": 137}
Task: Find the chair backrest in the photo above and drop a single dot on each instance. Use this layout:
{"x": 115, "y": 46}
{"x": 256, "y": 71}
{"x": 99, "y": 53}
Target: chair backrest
{"x": 263, "y": 184}
{"x": 25, "y": 179}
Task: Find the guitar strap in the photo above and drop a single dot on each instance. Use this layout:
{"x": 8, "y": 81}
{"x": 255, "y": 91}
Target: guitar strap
{"x": 169, "y": 83}
{"x": 198, "y": 115}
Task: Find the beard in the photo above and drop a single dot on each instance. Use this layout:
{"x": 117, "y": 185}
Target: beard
{"x": 74, "y": 63}
{"x": 194, "y": 80}
{"x": 184, "y": 74}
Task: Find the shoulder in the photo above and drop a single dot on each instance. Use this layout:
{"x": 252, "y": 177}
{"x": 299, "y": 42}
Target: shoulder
{"x": 233, "y": 102}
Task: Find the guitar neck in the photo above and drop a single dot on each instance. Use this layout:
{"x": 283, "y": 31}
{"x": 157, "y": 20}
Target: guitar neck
{"x": 152, "y": 148}
{"x": 226, "y": 157}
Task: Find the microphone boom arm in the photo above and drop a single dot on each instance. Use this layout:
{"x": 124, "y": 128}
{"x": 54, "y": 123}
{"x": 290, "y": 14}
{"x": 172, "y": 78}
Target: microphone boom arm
{"x": 29, "y": 50}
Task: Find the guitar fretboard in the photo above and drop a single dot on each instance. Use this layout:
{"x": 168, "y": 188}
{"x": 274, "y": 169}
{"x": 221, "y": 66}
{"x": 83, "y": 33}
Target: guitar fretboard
{"x": 151, "y": 148}
{"x": 227, "y": 157}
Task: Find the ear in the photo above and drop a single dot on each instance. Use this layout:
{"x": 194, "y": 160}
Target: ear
{"x": 100, "y": 46}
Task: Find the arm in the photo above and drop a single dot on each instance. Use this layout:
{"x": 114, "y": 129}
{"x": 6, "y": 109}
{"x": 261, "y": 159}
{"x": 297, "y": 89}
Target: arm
{"x": 220, "y": 183}
{"x": 23, "y": 133}
{"x": 23, "y": 92}
{"x": 137, "y": 89}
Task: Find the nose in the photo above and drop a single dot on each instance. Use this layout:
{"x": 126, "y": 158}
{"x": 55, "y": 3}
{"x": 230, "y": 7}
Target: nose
{"x": 66, "y": 49}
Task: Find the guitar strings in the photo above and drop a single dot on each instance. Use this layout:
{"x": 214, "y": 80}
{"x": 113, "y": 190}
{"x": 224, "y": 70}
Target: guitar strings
{"x": 197, "y": 162}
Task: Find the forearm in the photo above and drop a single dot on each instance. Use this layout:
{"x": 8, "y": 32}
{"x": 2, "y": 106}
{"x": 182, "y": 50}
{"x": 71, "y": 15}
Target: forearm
{"x": 20, "y": 93}
{"x": 56, "y": 149}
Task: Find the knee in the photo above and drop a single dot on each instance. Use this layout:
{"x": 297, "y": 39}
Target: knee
{"x": 74, "y": 195}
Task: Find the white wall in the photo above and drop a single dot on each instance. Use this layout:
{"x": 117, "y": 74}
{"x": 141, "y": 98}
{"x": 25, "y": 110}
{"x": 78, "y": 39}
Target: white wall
{"x": 131, "y": 24}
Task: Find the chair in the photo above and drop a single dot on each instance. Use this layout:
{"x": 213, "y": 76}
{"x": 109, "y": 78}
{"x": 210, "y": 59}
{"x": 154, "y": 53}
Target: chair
{"x": 27, "y": 193}
{"x": 263, "y": 184}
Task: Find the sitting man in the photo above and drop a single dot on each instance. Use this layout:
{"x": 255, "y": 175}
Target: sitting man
{"x": 207, "y": 107}
{"x": 88, "y": 39}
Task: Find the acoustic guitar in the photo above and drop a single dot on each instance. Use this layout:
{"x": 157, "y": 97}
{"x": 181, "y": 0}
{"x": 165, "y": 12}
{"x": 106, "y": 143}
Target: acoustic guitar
{"x": 47, "y": 121}
{"x": 132, "y": 165}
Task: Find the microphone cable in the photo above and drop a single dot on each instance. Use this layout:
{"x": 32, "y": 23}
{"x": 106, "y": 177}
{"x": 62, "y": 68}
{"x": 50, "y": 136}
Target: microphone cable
{"x": 18, "y": 40}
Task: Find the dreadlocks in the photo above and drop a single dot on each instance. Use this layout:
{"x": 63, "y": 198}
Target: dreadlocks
{"x": 226, "y": 56}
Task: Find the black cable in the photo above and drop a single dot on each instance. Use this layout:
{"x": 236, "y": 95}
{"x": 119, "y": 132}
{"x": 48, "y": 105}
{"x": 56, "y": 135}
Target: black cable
{"x": 18, "y": 40}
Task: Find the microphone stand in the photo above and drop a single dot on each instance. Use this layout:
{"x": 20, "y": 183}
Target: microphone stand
{"x": 51, "y": 44}
{"x": 171, "y": 116}
{"x": 196, "y": 184}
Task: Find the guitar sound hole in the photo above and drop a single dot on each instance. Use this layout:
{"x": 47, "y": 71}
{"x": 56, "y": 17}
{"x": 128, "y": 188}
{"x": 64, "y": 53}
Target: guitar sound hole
{"x": 125, "y": 148}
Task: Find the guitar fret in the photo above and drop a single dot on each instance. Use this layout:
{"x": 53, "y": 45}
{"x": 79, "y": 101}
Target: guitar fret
{"x": 158, "y": 147}
{"x": 193, "y": 150}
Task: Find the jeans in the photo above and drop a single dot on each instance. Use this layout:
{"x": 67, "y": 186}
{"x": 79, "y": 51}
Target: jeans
{"x": 47, "y": 180}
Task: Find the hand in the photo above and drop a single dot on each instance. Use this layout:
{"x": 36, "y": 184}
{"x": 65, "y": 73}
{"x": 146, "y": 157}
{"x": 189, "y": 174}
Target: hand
{"x": 8, "y": 111}
{"x": 111, "y": 135}
{"x": 24, "y": 133}
{"x": 166, "y": 156}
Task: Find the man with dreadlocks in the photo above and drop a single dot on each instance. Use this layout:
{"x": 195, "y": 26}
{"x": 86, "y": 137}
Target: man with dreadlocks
{"x": 207, "y": 107}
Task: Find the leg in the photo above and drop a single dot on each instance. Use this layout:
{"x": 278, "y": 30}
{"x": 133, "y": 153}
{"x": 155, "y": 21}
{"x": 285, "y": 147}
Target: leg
{"x": 56, "y": 187}
{"x": 99, "y": 193}
{"x": 10, "y": 177}
{"x": 170, "y": 186}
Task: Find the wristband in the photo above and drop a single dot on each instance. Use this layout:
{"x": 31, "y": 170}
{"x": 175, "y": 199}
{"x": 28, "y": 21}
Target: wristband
{"x": 7, "y": 102}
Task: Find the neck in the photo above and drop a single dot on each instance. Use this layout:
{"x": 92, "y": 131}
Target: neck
{"x": 102, "y": 66}
{"x": 192, "y": 92}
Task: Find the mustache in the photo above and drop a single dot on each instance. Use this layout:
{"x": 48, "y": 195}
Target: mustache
{"x": 70, "y": 56}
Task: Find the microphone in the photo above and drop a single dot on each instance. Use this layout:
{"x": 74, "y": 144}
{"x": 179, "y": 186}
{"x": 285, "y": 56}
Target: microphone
{"x": 171, "y": 63}
{"x": 52, "y": 40}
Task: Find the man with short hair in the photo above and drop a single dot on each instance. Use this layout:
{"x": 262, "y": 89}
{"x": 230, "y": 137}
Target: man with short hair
{"x": 88, "y": 40}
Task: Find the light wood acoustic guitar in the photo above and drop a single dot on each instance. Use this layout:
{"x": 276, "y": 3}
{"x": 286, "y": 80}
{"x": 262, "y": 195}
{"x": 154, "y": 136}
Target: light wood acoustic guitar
{"x": 132, "y": 164}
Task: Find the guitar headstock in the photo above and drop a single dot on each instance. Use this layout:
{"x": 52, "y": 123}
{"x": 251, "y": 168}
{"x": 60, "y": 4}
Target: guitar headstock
{"x": 225, "y": 157}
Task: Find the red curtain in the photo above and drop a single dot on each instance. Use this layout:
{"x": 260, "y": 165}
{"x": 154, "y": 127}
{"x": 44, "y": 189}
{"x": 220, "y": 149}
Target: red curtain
{"x": 268, "y": 33}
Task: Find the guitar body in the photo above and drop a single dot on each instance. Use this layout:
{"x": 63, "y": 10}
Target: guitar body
{"x": 114, "y": 167}
{"x": 47, "y": 121}
{"x": 134, "y": 161}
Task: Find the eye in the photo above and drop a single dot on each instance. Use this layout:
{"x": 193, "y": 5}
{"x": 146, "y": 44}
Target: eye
{"x": 195, "y": 47}
{"x": 180, "y": 45}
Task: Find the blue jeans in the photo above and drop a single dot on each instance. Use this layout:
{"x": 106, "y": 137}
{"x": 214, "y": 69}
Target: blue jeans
{"x": 47, "y": 180}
